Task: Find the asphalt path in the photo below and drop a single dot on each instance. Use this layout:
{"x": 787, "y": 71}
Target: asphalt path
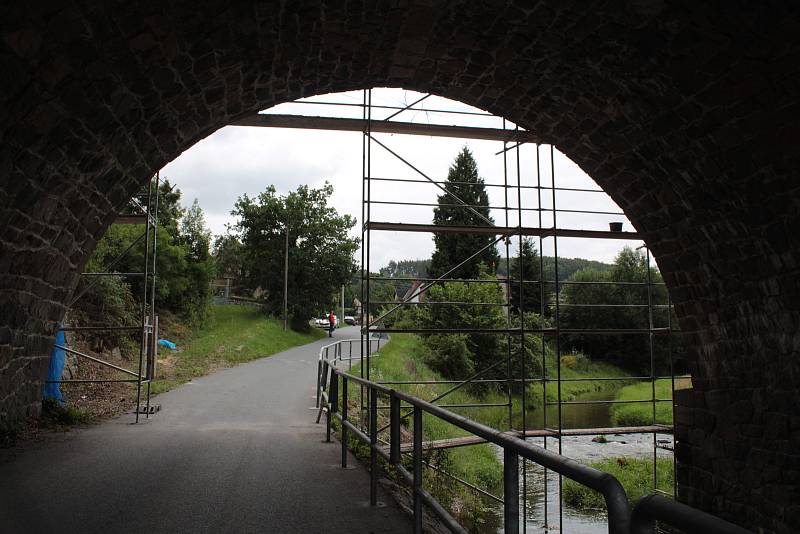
{"x": 235, "y": 451}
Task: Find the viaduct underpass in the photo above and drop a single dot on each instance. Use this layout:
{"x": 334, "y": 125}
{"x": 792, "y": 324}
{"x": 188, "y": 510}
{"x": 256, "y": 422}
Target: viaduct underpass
{"x": 685, "y": 113}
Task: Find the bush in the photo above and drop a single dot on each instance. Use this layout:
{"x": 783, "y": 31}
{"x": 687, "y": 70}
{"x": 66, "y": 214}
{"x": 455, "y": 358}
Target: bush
{"x": 635, "y": 475}
{"x": 108, "y": 300}
{"x": 449, "y": 355}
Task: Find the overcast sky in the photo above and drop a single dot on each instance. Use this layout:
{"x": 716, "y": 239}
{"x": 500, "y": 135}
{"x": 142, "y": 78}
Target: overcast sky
{"x": 237, "y": 160}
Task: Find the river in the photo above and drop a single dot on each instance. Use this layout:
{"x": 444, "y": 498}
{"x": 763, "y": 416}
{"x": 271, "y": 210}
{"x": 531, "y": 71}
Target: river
{"x": 583, "y": 449}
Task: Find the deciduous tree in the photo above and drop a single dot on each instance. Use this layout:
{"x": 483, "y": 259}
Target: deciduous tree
{"x": 320, "y": 249}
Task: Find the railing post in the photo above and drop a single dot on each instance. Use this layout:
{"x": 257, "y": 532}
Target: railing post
{"x": 373, "y": 444}
{"x": 511, "y": 491}
{"x": 417, "y": 470}
{"x": 319, "y": 378}
{"x": 330, "y": 403}
{"x": 333, "y": 399}
{"x": 394, "y": 429}
{"x": 344, "y": 418}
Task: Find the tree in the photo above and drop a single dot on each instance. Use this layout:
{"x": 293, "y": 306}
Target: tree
{"x": 200, "y": 270}
{"x": 320, "y": 250}
{"x": 525, "y": 266}
{"x": 623, "y": 288}
{"x": 406, "y": 269}
{"x": 194, "y": 233}
{"x": 169, "y": 210}
{"x": 228, "y": 253}
{"x": 464, "y": 183}
{"x": 458, "y": 355}
{"x": 183, "y": 265}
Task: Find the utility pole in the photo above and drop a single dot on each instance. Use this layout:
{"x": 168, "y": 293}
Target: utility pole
{"x": 286, "y": 281}
{"x": 343, "y": 303}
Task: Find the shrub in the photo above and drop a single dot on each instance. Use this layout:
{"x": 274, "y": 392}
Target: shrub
{"x": 635, "y": 475}
{"x": 449, "y": 355}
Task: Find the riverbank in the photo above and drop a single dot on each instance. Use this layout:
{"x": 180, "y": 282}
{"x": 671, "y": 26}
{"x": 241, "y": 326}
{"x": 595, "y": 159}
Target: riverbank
{"x": 641, "y": 413}
{"x": 634, "y": 473}
{"x": 478, "y": 465}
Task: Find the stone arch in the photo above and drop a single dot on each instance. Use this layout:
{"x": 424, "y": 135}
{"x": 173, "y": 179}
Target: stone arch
{"x": 686, "y": 116}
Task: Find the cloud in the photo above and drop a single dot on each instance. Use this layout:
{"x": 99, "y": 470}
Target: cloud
{"x": 245, "y": 160}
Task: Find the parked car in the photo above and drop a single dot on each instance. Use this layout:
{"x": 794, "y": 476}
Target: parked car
{"x": 323, "y": 322}
{"x": 349, "y": 319}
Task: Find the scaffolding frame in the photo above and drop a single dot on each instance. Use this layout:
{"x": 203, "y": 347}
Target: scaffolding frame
{"x": 512, "y": 139}
{"x": 147, "y": 328}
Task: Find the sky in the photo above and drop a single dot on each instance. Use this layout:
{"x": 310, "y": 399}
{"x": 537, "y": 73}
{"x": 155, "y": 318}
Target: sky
{"x": 239, "y": 160}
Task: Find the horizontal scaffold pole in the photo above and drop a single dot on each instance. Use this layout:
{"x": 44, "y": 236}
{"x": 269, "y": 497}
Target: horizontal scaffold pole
{"x": 381, "y": 126}
{"x": 502, "y": 230}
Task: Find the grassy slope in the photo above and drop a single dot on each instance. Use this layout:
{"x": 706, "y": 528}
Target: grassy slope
{"x": 584, "y": 368}
{"x": 477, "y": 464}
{"x": 635, "y": 475}
{"x": 637, "y": 414}
{"x": 233, "y": 335}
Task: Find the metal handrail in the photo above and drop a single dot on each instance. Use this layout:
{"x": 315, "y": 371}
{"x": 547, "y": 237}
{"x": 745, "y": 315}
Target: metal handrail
{"x": 611, "y": 489}
{"x": 690, "y": 520}
{"x": 621, "y": 520}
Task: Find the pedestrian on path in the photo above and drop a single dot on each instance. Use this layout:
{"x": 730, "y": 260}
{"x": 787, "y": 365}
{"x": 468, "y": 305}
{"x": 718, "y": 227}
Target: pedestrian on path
{"x": 331, "y": 323}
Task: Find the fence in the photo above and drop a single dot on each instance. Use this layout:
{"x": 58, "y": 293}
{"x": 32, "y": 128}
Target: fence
{"x": 332, "y": 399}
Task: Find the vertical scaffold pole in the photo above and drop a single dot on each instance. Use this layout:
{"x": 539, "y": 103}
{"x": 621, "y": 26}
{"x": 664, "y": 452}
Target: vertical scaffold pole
{"x": 557, "y": 324}
{"x": 523, "y": 367}
{"x": 652, "y": 362}
{"x": 143, "y": 345}
{"x": 153, "y": 318}
{"x": 542, "y": 320}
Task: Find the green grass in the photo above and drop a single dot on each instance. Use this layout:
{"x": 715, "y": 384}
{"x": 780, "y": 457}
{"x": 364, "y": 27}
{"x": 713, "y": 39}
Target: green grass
{"x": 580, "y": 366}
{"x": 635, "y": 475}
{"x": 478, "y": 464}
{"x": 232, "y": 335}
{"x": 57, "y": 415}
{"x": 640, "y": 414}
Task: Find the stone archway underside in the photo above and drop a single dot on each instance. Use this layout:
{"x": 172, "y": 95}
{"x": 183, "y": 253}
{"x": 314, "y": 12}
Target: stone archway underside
{"x": 686, "y": 116}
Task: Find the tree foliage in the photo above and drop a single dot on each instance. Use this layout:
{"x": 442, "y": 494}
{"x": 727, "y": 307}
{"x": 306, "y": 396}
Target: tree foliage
{"x": 228, "y": 253}
{"x": 183, "y": 265}
{"x": 460, "y": 355}
{"x": 617, "y": 299}
{"x": 525, "y": 266}
{"x": 320, "y": 250}
{"x": 406, "y": 269}
{"x": 464, "y": 183}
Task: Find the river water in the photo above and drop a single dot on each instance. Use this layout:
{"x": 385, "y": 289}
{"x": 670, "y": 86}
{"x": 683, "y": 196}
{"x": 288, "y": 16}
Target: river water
{"x": 583, "y": 449}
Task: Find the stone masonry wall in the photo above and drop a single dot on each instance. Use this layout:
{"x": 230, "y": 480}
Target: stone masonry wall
{"x": 686, "y": 113}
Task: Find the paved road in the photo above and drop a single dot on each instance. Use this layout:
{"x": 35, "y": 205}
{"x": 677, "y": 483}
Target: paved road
{"x": 236, "y": 451}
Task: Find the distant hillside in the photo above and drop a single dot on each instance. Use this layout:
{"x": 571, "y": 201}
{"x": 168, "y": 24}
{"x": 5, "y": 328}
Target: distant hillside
{"x": 566, "y": 267}
{"x": 406, "y": 269}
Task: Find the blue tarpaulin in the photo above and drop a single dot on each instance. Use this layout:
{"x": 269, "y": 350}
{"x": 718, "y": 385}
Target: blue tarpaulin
{"x": 58, "y": 358}
{"x": 167, "y": 343}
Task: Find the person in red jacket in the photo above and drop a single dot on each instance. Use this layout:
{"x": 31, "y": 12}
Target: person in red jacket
{"x": 331, "y": 323}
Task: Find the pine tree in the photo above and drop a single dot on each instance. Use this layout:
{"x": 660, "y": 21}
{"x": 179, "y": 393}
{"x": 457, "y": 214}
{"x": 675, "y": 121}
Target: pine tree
{"x": 526, "y": 263}
{"x": 453, "y": 248}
